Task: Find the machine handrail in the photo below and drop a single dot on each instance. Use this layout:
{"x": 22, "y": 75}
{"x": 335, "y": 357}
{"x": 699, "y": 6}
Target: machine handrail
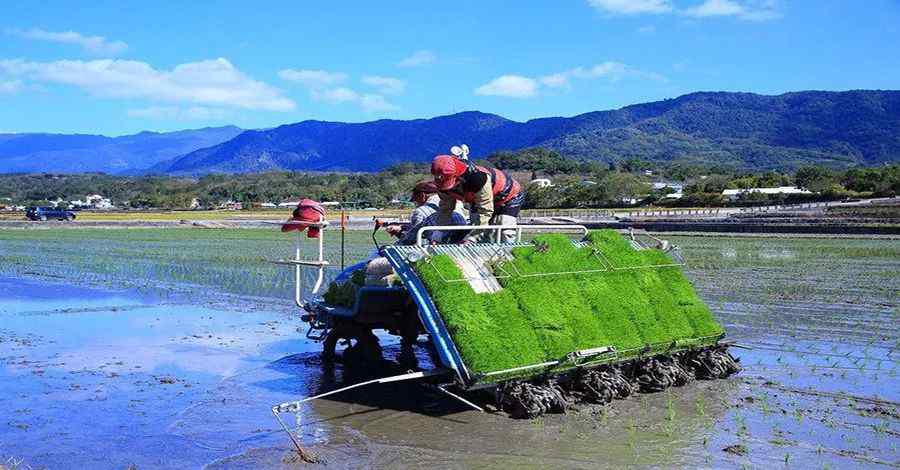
{"x": 297, "y": 262}
{"x": 497, "y": 229}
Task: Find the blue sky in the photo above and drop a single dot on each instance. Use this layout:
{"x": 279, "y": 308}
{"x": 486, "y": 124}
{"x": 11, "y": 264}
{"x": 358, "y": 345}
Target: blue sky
{"x": 117, "y": 67}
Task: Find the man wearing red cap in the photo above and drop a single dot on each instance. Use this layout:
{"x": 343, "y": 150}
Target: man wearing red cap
{"x": 425, "y": 197}
{"x": 493, "y": 196}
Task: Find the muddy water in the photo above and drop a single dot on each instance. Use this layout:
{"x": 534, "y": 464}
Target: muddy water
{"x": 110, "y": 377}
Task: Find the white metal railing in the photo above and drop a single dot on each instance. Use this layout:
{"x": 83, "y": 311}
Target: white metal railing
{"x": 496, "y": 229}
{"x": 319, "y": 263}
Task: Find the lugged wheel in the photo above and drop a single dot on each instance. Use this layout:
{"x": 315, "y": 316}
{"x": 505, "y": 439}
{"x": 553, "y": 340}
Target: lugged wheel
{"x": 364, "y": 345}
{"x": 602, "y": 384}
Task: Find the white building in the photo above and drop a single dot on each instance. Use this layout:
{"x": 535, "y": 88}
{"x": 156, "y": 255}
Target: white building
{"x": 92, "y": 201}
{"x": 99, "y": 202}
{"x": 668, "y": 184}
{"x": 541, "y": 183}
{"x": 734, "y": 194}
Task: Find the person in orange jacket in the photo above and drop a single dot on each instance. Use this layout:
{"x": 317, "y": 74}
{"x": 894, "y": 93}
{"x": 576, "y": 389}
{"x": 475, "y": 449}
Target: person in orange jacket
{"x": 493, "y": 196}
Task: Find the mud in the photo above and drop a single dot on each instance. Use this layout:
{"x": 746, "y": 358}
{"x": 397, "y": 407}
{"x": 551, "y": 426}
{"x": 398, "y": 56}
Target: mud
{"x": 111, "y": 376}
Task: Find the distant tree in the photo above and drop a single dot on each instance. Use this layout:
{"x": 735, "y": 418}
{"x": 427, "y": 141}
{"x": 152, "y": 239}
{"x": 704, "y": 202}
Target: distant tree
{"x": 540, "y": 198}
{"x": 533, "y": 159}
{"x": 710, "y": 184}
{"x": 617, "y": 186}
{"x": 815, "y": 178}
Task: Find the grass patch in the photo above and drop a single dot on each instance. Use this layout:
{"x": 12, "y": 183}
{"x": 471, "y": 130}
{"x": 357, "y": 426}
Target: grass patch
{"x": 543, "y": 318}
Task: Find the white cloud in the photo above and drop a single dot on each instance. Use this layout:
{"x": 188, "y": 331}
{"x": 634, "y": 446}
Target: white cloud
{"x": 610, "y": 70}
{"x": 513, "y": 86}
{"x": 178, "y": 113}
{"x": 313, "y": 78}
{"x": 385, "y": 85}
{"x": 680, "y": 66}
{"x": 517, "y": 86}
{"x": 755, "y": 10}
{"x": 614, "y": 71}
{"x": 368, "y": 102}
{"x": 418, "y": 59}
{"x": 337, "y": 95}
{"x": 632, "y": 7}
{"x": 10, "y": 87}
{"x": 375, "y": 103}
{"x": 759, "y": 10}
{"x": 95, "y": 45}
{"x": 715, "y": 8}
{"x": 206, "y": 83}
{"x": 322, "y": 86}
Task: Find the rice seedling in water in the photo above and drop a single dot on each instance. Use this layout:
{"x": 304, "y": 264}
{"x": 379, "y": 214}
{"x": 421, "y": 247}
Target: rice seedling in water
{"x": 670, "y": 414}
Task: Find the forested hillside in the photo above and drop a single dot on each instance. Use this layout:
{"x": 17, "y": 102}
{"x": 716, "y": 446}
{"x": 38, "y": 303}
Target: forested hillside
{"x": 740, "y": 130}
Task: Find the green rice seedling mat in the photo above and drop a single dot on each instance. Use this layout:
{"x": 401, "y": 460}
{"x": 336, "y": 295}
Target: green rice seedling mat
{"x": 636, "y": 301}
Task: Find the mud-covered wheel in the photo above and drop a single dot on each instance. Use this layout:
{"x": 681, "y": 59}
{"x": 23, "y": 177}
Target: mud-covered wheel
{"x": 365, "y": 348}
{"x": 364, "y": 345}
{"x": 329, "y": 345}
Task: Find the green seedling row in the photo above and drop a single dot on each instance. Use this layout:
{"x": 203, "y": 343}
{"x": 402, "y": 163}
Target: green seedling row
{"x": 625, "y": 298}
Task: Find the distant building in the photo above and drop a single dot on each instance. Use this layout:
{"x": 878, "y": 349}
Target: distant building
{"x": 668, "y": 184}
{"x": 92, "y": 201}
{"x": 676, "y": 189}
{"x": 97, "y": 201}
{"x": 541, "y": 182}
{"x": 231, "y": 205}
{"x": 734, "y": 194}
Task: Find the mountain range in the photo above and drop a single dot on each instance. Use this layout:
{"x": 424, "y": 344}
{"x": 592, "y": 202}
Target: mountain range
{"x": 742, "y": 130}
{"x": 81, "y": 153}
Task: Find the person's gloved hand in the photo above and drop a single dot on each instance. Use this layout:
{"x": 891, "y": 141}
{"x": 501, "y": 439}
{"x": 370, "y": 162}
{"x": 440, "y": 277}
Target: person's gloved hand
{"x": 393, "y": 230}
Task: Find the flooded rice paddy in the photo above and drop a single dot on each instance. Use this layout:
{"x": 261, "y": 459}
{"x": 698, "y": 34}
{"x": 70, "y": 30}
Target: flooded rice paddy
{"x": 165, "y": 348}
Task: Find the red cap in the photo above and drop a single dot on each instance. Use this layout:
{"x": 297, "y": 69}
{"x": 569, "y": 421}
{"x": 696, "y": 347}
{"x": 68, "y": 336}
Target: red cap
{"x": 307, "y": 211}
{"x": 446, "y": 169}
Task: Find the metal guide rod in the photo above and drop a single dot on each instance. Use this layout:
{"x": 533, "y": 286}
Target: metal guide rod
{"x": 497, "y": 229}
{"x": 450, "y": 394}
{"x": 297, "y": 279}
{"x": 294, "y": 406}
